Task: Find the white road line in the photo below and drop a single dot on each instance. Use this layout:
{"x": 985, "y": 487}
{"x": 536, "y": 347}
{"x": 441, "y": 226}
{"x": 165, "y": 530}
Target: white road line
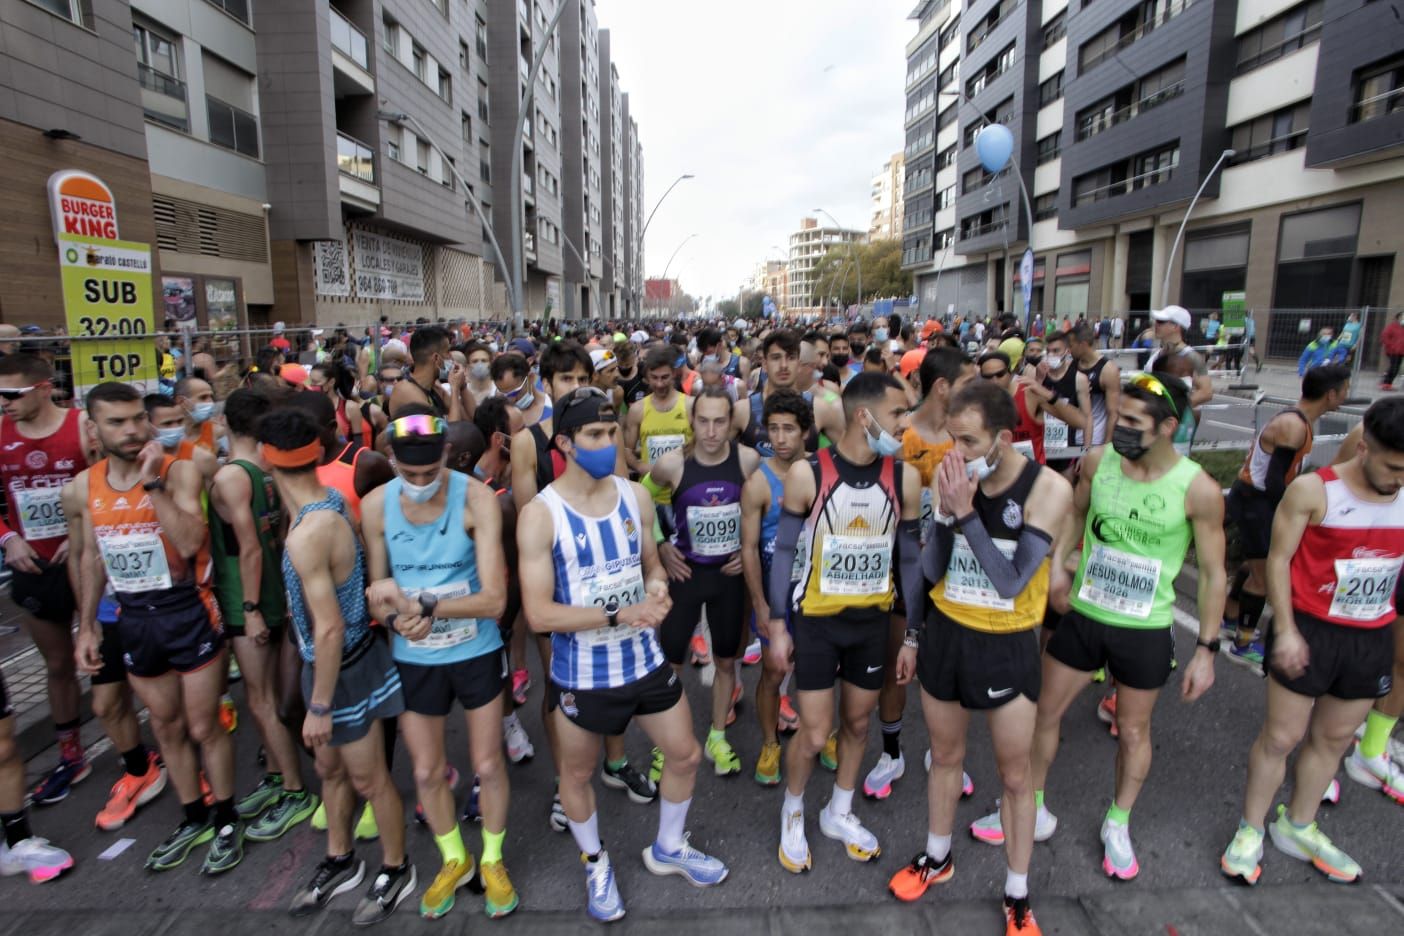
{"x": 1232, "y": 901}
{"x": 1186, "y": 620}
{"x": 1224, "y": 425}
{"x": 1389, "y": 898}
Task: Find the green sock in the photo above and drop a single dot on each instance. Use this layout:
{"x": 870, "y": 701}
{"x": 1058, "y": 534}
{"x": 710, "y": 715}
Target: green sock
{"x": 1038, "y": 799}
{"x": 1377, "y": 729}
{"x": 1118, "y": 815}
{"x": 617, "y": 765}
{"x": 492, "y": 845}
{"x": 716, "y": 734}
{"x": 451, "y": 846}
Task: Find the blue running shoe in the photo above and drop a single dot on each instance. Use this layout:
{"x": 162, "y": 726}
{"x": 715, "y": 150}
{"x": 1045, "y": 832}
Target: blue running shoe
{"x": 471, "y": 812}
{"x": 698, "y": 869}
{"x": 1250, "y": 654}
{"x": 602, "y": 900}
{"x": 57, "y": 783}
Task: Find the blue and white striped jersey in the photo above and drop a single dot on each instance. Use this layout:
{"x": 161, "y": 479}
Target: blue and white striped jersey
{"x": 596, "y": 559}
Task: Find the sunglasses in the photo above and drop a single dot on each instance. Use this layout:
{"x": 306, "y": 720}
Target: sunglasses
{"x": 1153, "y": 385}
{"x": 11, "y": 395}
{"x": 409, "y": 427}
{"x": 1001, "y": 374}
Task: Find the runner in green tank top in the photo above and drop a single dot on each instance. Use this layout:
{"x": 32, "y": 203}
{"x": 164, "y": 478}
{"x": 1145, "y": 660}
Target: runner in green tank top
{"x": 246, "y": 531}
{"x": 1139, "y": 504}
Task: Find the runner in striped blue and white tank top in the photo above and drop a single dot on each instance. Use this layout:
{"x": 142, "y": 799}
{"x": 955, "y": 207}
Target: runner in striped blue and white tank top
{"x": 597, "y": 558}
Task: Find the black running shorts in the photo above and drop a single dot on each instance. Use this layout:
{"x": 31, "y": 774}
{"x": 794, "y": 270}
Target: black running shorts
{"x": 1345, "y": 662}
{"x": 46, "y": 595}
{"x": 176, "y": 635}
{"x": 851, "y": 646}
{"x": 1252, "y": 513}
{"x": 609, "y": 711}
{"x": 431, "y": 690}
{"x": 724, "y": 597}
{"x": 1135, "y": 657}
{"x": 979, "y": 670}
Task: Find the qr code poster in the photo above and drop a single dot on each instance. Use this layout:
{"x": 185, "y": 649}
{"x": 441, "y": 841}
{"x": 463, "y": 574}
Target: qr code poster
{"x": 330, "y": 267}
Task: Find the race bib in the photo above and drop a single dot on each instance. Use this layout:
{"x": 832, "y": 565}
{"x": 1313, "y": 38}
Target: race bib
{"x": 448, "y": 632}
{"x": 1120, "y": 582}
{"x": 714, "y": 531}
{"x": 1364, "y": 588}
{"x": 1055, "y": 435}
{"x": 966, "y": 580}
{"x": 624, "y": 587}
{"x": 1025, "y": 448}
{"x": 41, "y": 512}
{"x": 928, "y": 514}
{"x": 136, "y": 562}
{"x": 660, "y": 445}
{"x": 855, "y": 565}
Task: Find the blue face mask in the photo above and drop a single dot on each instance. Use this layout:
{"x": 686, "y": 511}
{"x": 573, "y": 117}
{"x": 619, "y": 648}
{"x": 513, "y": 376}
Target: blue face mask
{"x": 170, "y": 438}
{"x": 883, "y": 444}
{"x": 598, "y": 463}
{"x": 202, "y": 412}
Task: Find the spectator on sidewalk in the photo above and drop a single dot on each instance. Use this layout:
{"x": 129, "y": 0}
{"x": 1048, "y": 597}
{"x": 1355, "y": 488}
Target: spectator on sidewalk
{"x": 1324, "y": 350}
{"x": 1393, "y": 342}
{"x": 1350, "y": 336}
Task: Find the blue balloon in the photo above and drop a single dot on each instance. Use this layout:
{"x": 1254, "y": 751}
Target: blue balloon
{"x": 994, "y": 145}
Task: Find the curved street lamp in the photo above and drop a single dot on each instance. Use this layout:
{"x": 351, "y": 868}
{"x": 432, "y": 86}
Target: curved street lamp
{"x": 852, "y": 250}
{"x": 680, "y": 246}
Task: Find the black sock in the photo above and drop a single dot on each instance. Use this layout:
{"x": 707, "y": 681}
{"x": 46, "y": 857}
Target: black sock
{"x": 16, "y": 827}
{"x": 225, "y": 813}
{"x": 342, "y": 861}
{"x": 892, "y": 738}
{"x": 1250, "y": 610}
{"x": 136, "y": 761}
{"x": 197, "y": 812}
{"x": 389, "y": 728}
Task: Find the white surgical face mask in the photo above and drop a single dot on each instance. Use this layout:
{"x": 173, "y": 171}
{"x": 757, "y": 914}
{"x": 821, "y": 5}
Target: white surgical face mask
{"x": 1055, "y": 361}
{"x": 981, "y": 468}
{"x": 419, "y": 493}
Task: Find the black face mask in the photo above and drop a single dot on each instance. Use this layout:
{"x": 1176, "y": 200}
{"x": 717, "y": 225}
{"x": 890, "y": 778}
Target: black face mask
{"x": 1033, "y": 359}
{"x": 1127, "y": 443}
{"x": 839, "y": 360}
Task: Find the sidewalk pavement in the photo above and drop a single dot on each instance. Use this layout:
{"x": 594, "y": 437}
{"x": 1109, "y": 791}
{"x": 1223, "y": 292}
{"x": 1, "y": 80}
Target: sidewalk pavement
{"x": 1129, "y": 911}
{"x": 26, "y": 680}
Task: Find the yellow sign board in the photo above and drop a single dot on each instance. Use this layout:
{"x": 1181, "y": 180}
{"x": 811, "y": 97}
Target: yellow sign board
{"x": 107, "y": 299}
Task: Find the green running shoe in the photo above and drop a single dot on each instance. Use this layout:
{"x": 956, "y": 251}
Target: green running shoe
{"x": 171, "y": 853}
{"x": 828, "y": 755}
{"x": 288, "y": 811}
{"x": 655, "y": 769}
{"x": 263, "y": 796}
{"x": 724, "y": 759}
{"x": 319, "y": 819}
{"x": 1311, "y": 844}
{"x": 1241, "y": 858}
{"x": 227, "y": 849}
{"x": 366, "y": 829}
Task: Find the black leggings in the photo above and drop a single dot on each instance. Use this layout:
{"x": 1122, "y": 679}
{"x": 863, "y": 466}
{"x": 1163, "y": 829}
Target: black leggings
{"x": 724, "y": 597}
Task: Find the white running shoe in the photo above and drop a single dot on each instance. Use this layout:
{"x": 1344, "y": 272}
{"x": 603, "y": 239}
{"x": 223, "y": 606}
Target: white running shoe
{"x": 35, "y": 857}
{"x": 519, "y": 746}
{"x": 878, "y": 783}
{"x": 967, "y": 786}
{"x": 794, "y": 847}
{"x": 1118, "y": 857}
{"x": 1376, "y": 773}
{"x": 988, "y": 829}
{"x": 861, "y": 844}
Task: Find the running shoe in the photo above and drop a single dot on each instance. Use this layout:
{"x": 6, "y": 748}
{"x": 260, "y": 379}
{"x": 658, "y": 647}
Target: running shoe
{"x": 1333, "y": 792}
{"x": 235, "y": 674}
{"x": 655, "y": 767}
{"x": 450, "y": 775}
{"x": 878, "y": 783}
{"x": 794, "y": 847}
{"x": 330, "y": 879}
{"x": 1250, "y": 654}
{"x": 688, "y": 863}
{"x": 752, "y": 656}
{"x": 227, "y": 849}
{"x": 129, "y": 793}
{"x": 1106, "y": 713}
{"x": 391, "y": 887}
{"x": 723, "y": 758}
{"x": 861, "y": 844}
{"x": 1241, "y": 860}
{"x": 268, "y": 791}
{"x": 735, "y": 701}
{"x": 1019, "y": 919}
{"x": 923, "y": 871}
{"x": 967, "y": 786}
{"x": 501, "y": 897}
{"x": 439, "y": 898}
{"x": 1311, "y": 844}
{"x": 521, "y": 683}
{"x": 1118, "y": 857}
{"x": 35, "y": 857}
{"x": 701, "y": 656}
{"x": 206, "y": 791}
{"x": 319, "y": 818}
{"x": 228, "y": 714}
{"x": 57, "y": 783}
{"x": 788, "y": 723}
{"x": 471, "y": 812}
{"x": 989, "y": 830}
{"x": 366, "y": 829}
{"x": 519, "y": 746}
{"x": 602, "y": 900}
{"x": 1099, "y": 675}
{"x": 828, "y": 756}
{"x": 768, "y": 764}
{"x": 559, "y": 822}
{"x": 172, "y": 852}
{"x": 1377, "y": 773}
{"x": 288, "y": 811}
{"x": 640, "y": 789}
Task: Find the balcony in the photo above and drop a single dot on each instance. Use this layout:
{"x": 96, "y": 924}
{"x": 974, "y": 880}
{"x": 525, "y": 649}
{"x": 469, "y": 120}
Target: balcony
{"x": 355, "y": 164}
{"x": 1103, "y": 120}
{"x": 350, "y": 58}
{"x": 1378, "y": 105}
{"x": 980, "y": 230}
{"x": 163, "y": 98}
{"x": 1171, "y": 10}
{"x": 1146, "y": 179}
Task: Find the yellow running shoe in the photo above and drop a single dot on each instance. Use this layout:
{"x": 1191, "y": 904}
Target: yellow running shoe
{"x": 439, "y": 898}
{"x": 366, "y": 829}
{"x": 768, "y": 765}
{"x": 828, "y": 757}
{"x": 501, "y": 896}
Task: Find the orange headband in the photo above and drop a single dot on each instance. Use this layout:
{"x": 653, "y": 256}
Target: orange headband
{"x": 293, "y": 458}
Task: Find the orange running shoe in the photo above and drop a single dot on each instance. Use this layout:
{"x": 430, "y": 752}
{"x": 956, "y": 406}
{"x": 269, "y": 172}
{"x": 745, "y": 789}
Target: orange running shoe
{"x": 206, "y": 791}
{"x": 789, "y": 718}
{"x": 1019, "y": 919}
{"x": 701, "y": 656}
{"x": 130, "y": 792}
{"x": 228, "y": 715}
{"x": 913, "y": 880}
{"x": 1106, "y": 712}
{"x": 735, "y": 698}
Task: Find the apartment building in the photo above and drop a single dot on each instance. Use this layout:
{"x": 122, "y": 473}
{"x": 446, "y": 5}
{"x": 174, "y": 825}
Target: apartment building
{"x": 886, "y": 222}
{"x": 808, "y": 246}
{"x": 581, "y": 213}
{"x": 1121, "y": 110}
{"x": 612, "y": 182}
{"x": 634, "y": 208}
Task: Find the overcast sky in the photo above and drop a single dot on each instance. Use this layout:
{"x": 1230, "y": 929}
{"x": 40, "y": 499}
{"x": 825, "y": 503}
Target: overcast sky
{"x": 776, "y": 106}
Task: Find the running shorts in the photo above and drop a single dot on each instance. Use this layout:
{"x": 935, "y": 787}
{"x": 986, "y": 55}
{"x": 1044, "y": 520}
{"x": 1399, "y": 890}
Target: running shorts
{"x": 176, "y": 634}
{"x": 851, "y": 646}
{"x": 1345, "y": 662}
{"x": 1135, "y": 657}
{"x": 724, "y": 597}
{"x": 977, "y": 669}
{"x": 431, "y": 690}
{"x": 45, "y": 595}
{"x": 609, "y": 711}
{"x": 367, "y": 690}
{"x": 1252, "y": 513}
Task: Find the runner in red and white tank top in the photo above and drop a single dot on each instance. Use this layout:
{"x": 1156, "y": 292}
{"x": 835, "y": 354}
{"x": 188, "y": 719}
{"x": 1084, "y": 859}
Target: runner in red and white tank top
{"x": 34, "y": 471}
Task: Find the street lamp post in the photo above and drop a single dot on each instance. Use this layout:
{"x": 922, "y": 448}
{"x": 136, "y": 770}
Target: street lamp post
{"x": 852, "y": 250}
{"x": 638, "y": 242}
{"x": 689, "y": 237}
{"x": 1170, "y": 263}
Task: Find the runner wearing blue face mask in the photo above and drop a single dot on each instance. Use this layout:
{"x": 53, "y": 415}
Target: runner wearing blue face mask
{"x": 168, "y": 427}
{"x": 195, "y": 397}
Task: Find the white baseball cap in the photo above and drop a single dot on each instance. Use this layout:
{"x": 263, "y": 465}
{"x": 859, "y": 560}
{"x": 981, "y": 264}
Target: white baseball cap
{"x": 1179, "y": 315}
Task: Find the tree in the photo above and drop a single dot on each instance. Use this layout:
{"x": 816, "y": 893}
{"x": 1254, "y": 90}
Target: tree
{"x": 755, "y": 302}
{"x": 727, "y": 309}
{"x": 881, "y": 263}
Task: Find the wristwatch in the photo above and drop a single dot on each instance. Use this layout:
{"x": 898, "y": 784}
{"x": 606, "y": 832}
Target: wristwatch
{"x": 158, "y": 485}
{"x": 250, "y": 607}
{"x": 1211, "y": 645}
{"x": 611, "y": 610}
{"x": 911, "y": 639}
{"x": 318, "y": 709}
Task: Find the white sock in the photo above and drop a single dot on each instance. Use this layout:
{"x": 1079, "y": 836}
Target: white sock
{"x": 938, "y": 846}
{"x": 1015, "y": 885}
{"x": 794, "y": 802}
{"x": 587, "y": 834}
{"x": 672, "y": 818}
{"x": 841, "y": 803}
{"x": 510, "y": 721}
{"x": 785, "y": 683}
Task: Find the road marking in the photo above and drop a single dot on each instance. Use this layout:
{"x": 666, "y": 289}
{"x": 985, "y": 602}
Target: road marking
{"x": 1232, "y": 901}
{"x": 116, "y": 848}
{"x": 1224, "y": 425}
{"x": 1389, "y": 898}
{"x": 1186, "y": 620}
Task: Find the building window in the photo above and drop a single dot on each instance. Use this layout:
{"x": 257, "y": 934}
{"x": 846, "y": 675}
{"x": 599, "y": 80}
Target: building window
{"x": 392, "y": 148}
{"x": 945, "y": 238}
{"x": 945, "y": 198}
{"x": 483, "y": 101}
{"x": 948, "y": 35}
{"x": 1050, "y": 90}
{"x": 75, "y": 11}
{"x": 446, "y": 172}
{"x": 465, "y": 123}
{"x": 946, "y": 158}
{"x": 946, "y": 117}
{"x": 480, "y": 38}
{"x": 1155, "y": 167}
{"x": 420, "y": 60}
{"x": 462, "y": 54}
{"x": 1049, "y": 147}
{"x": 1045, "y": 206}
{"x": 484, "y": 161}
{"x": 421, "y": 155}
{"x": 1056, "y": 29}
{"x": 239, "y": 9}
{"x": 1315, "y": 257}
{"x": 232, "y": 128}
{"x": 390, "y": 37}
{"x": 445, "y": 89}
{"x": 441, "y": 6}
{"x": 1379, "y": 90}
{"x": 1270, "y": 134}
{"x": 1279, "y": 36}
{"x": 158, "y": 72}
{"x": 1146, "y": 17}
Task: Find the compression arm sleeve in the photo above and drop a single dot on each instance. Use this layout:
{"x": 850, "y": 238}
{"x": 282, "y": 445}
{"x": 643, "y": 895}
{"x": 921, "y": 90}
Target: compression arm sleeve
{"x": 1276, "y": 481}
{"x": 1008, "y": 576}
{"x": 937, "y": 554}
{"x": 787, "y": 534}
{"x": 913, "y": 585}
